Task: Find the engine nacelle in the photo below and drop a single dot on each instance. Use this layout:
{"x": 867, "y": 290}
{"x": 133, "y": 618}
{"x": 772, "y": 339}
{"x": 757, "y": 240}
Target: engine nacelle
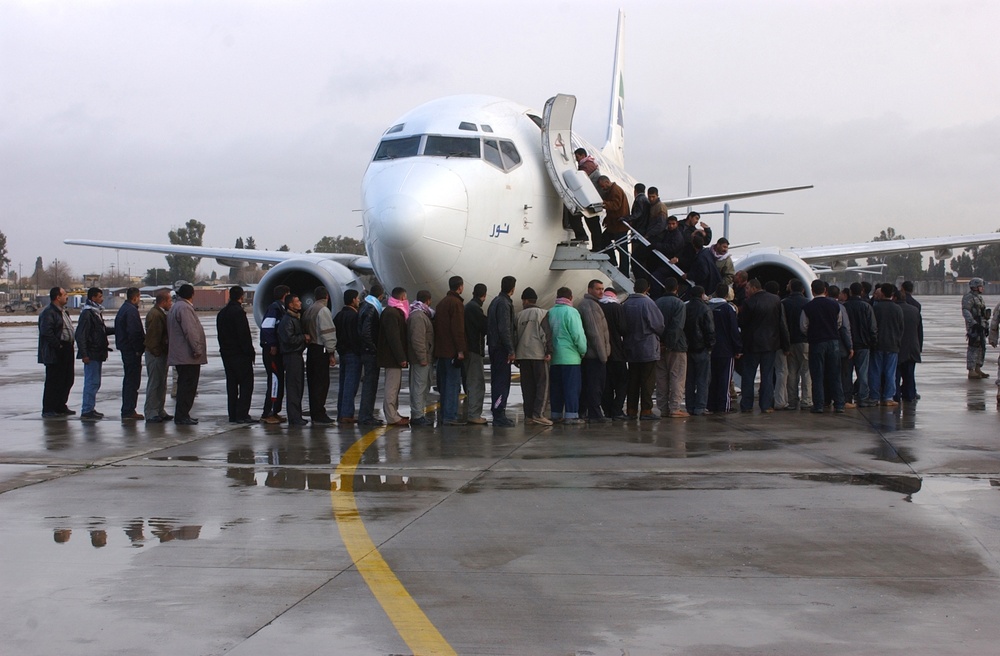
{"x": 773, "y": 263}
{"x": 943, "y": 253}
{"x": 303, "y": 277}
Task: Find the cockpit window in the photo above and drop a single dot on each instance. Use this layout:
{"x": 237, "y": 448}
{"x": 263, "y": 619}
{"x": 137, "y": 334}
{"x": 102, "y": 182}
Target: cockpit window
{"x": 465, "y": 125}
{"x": 396, "y": 128}
{"x": 396, "y": 148}
{"x": 437, "y": 146}
{"x": 486, "y": 128}
{"x": 511, "y": 158}
{"x": 491, "y": 153}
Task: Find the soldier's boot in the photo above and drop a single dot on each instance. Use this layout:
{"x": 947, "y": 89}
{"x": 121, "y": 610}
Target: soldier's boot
{"x": 981, "y": 373}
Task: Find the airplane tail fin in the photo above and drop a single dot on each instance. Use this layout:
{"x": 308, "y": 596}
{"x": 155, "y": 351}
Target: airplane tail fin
{"x": 614, "y": 149}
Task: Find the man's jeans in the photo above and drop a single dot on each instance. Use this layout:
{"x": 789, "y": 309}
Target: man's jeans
{"x": 449, "y": 380}
{"x": 861, "y": 374}
{"x": 91, "y": 384}
{"x": 698, "y": 372}
{"x": 369, "y": 387}
{"x": 751, "y": 361}
{"x": 882, "y": 376}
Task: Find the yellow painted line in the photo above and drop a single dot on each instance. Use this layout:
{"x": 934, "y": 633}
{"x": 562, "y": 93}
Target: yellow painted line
{"x": 413, "y": 625}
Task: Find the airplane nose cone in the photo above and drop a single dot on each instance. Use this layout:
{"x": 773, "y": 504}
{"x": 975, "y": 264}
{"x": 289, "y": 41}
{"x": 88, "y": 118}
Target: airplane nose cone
{"x": 398, "y": 221}
{"x": 416, "y": 216}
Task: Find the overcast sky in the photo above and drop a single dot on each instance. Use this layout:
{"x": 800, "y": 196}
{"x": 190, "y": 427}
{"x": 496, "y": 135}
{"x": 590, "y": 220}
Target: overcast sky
{"x": 123, "y": 120}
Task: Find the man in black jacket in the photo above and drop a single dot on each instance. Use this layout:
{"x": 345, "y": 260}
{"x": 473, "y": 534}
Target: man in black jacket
{"x": 797, "y": 360}
{"x": 130, "y": 340}
{"x": 500, "y": 330}
{"x": 762, "y": 320}
{"x": 349, "y": 349}
{"x": 369, "y": 314}
{"x": 271, "y": 356}
{"x": 472, "y": 364}
{"x": 292, "y": 341}
{"x": 882, "y": 368}
{"x": 821, "y": 322}
{"x": 237, "y": 351}
{"x": 55, "y": 351}
{"x": 92, "y": 347}
{"x": 699, "y": 328}
{"x": 863, "y": 334}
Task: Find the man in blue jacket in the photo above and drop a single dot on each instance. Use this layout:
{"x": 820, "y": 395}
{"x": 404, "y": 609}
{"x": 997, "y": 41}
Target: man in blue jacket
{"x": 271, "y": 356}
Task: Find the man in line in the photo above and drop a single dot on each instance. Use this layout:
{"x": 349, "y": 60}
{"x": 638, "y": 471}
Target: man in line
{"x": 271, "y": 357}
{"x": 642, "y": 349}
{"x": 864, "y": 335}
{"x": 292, "y": 342}
{"x": 238, "y": 354}
{"x": 910, "y": 348}
{"x": 693, "y": 224}
{"x": 797, "y": 377}
{"x": 92, "y": 347}
{"x": 976, "y": 328}
{"x": 728, "y": 347}
{"x": 450, "y": 348}
{"x": 533, "y": 352}
{"x": 500, "y": 330}
{"x": 594, "y": 368}
{"x": 349, "y": 348}
{"x": 882, "y": 369}
{"x": 699, "y": 328}
{"x": 821, "y": 322}
{"x": 187, "y": 350}
{"x": 420, "y": 333}
{"x": 472, "y": 365}
{"x": 156, "y": 358}
{"x": 638, "y": 218}
{"x": 55, "y": 351}
{"x": 569, "y": 344}
{"x": 392, "y": 354}
{"x": 671, "y": 367}
{"x": 130, "y": 342}
{"x": 762, "y": 320}
{"x": 616, "y": 383}
{"x": 321, "y": 353}
{"x": 369, "y": 314}
{"x": 616, "y": 208}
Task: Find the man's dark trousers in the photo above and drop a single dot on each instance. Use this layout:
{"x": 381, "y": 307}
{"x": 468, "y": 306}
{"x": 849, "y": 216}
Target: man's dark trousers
{"x": 239, "y": 385}
{"x": 317, "y": 380}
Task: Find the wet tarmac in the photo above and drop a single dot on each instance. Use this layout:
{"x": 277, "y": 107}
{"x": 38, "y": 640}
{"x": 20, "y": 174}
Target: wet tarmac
{"x": 876, "y": 531}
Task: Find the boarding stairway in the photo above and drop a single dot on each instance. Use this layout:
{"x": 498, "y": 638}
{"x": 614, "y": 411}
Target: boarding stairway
{"x": 575, "y": 256}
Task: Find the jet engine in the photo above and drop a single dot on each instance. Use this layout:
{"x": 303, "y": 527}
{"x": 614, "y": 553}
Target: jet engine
{"x": 776, "y": 264}
{"x": 303, "y": 277}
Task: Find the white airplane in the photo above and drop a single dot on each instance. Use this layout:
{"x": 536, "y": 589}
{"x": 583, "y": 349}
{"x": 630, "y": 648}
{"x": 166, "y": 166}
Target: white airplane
{"x": 476, "y": 186}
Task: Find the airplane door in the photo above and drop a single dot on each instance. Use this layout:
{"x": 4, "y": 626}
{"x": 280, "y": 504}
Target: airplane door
{"x": 574, "y": 186}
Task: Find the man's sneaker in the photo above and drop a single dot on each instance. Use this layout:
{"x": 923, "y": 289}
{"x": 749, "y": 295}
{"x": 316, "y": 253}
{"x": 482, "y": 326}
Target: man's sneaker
{"x": 421, "y": 422}
{"x": 270, "y": 419}
{"x": 502, "y": 422}
{"x": 134, "y": 415}
{"x": 99, "y": 415}
{"x": 51, "y": 415}
{"x": 90, "y": 416}
{"x": 679, "y": 414}
{"x": 454, "y": 422}
{"x": 541, "y": 421}
{"x": 479, "y": 421}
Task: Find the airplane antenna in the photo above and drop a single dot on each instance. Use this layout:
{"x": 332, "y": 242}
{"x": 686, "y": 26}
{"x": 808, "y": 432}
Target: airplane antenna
{"x": 690, "y": 194}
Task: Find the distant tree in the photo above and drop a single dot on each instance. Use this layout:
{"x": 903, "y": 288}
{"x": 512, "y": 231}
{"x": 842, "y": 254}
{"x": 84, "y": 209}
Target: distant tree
{"x": 57, "y": 273}
{"x": 963, "y": 266}
{"x": 986, "y": 261}
{"x": 239, "y": 242}
{"x": 935, "y": 270}
{"x": 157, "y": 277}
{"x": 284, "y": 248}
{"x": 4, "y": 255}
{"x": 251, "y": 245}
{"x": 907, "y": 265}
{"x": 184, "y": 267}
{"x": 340, "y": 244}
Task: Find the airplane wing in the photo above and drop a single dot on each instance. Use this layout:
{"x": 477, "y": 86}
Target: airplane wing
{"x": 227, "y": 256}
{"x": 719, "y": 198}
{"x": 942, "y": 247}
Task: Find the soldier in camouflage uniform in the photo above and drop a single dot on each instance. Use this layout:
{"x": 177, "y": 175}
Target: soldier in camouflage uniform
{"x": 976, "y": 328}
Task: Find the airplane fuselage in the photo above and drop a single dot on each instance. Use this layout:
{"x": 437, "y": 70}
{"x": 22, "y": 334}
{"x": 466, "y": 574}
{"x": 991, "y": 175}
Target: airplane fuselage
{"x": 458, "y": 187}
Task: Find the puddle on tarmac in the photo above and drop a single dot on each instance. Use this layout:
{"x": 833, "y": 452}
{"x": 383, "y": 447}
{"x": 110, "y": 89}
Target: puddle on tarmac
{"x": 891, "y": 483}
{"x": 101, "y": 532}
{"x": 286, "y": 478}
